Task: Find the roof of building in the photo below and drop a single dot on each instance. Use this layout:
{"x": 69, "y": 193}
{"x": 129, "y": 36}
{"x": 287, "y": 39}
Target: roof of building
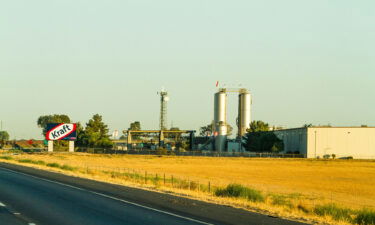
{"x": 297, "y": 128}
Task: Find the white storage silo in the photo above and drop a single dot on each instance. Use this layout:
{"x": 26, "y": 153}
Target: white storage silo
{"x": 244, "y": 112}
{"x": 220, "y": 119}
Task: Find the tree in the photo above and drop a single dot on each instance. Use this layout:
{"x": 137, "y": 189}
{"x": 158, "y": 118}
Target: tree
{"x": 96, "y": 133}
{"x": 122, "y": 137}
{"x": 136, "y": 125}
{"x": 174, "y": 135}
{"x": 207, "y": 130}
{"x": 258, "y": 126}
{"x": 307, "y": 125}
{"x": 4, "y": 136}
{"x": 80, "y": 135}
{"x": 56, "y": 118}
{"x": 259, "y": 139}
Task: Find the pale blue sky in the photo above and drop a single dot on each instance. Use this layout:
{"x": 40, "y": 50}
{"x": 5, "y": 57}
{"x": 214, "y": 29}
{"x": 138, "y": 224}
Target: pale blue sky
{"x": 304, "y": 61}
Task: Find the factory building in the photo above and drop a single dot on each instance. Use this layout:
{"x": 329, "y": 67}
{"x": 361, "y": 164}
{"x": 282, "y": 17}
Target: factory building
{"x": 321, "y": 142}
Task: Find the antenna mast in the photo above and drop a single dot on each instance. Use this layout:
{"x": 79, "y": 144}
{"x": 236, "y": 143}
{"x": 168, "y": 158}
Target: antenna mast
{"x": 164, "y": 98}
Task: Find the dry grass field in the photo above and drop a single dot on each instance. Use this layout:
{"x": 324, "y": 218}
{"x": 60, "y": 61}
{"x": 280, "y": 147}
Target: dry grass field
{"x": 346, "y": 183}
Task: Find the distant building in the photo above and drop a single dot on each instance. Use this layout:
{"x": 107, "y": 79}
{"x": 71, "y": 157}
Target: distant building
{"x": 314, "y": 142}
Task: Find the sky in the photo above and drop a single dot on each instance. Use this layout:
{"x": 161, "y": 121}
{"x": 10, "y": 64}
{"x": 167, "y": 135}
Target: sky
{"x": 303, "y": 61}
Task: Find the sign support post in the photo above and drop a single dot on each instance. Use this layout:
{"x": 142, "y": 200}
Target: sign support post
{"x": 71, "y": 146}
{"x": 50, "y": 146}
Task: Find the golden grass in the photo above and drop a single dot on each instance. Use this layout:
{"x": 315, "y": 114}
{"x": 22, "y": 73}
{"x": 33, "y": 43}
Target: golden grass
{"x": 305, "y": 182}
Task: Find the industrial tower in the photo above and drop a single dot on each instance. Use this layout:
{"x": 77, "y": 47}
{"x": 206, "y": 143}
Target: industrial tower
{"x": 164, "y": 98}
{"x": 220, "y": 115}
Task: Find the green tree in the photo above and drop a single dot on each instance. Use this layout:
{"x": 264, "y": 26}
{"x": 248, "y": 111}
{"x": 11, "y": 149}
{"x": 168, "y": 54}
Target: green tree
{"x": 123, "y": 137}
{"x": 207, "y": 130}
{"x": 96, "y": 133}
{"x": 174, "y": 135}
{"x": 56, "y": 118}
{"x": 4, "y": 136}
{"x": 258, "y": 126}
{"x": 81, "y": 138}
{"x": 136, "y": 125}
{"x": 260, "y": 139}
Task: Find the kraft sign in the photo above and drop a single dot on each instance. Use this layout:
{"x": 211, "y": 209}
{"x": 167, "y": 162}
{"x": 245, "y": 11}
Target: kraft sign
{"x": 61, "y": 131}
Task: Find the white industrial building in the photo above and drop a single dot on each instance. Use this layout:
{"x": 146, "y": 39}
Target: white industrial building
{"x": 314, "y": 142}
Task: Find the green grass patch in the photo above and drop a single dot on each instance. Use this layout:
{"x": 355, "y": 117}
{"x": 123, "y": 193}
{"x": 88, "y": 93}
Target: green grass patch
{"x": 239, "y": 191}
{"x": 6, "y": 157}
{"x": 281, "y": 201}
{"x": 334, "y": 211}
{"x": 25, "y": 161}
{"x": 365, "y": 217}
{"x": 67, "y": 167}
{"x": 55, "y": 165}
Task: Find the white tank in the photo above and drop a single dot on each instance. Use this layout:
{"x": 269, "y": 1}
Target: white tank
{"x": 220, "y": 143}
{"x": 220, "y": 120}
{"x": 220, "y": 110}
{"x": 244, "y": 113}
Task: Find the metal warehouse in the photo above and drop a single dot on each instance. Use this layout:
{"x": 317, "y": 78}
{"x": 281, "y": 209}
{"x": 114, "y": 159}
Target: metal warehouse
{"x": 320, "y": 142}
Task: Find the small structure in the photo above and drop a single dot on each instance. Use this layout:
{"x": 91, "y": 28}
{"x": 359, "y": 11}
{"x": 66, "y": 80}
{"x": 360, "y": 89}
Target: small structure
{"x": 330, "y": 142}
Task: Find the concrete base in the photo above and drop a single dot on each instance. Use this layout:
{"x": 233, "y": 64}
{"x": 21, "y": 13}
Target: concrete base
{"x": 50, "y": 146}
{"x": 71, "y": 146}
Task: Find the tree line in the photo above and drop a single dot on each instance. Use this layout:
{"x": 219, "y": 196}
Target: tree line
{"x": 94, "y": 133}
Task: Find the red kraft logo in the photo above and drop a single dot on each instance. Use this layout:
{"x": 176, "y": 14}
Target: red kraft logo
{"x": 61, "y": 131}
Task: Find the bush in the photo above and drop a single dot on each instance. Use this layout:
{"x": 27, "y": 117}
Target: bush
{"x": 239, "y": 191}
{"x": 56, "y": 165}
{"x": 39, "y": 162}
{"x": 25, "y": 161}
{"x": 281, "y": 200}
{"x": 6, "y": 157}
{"x": 365, "y": 217}
{"x": 336, "y": 212}
{"x": 67, "y": 167}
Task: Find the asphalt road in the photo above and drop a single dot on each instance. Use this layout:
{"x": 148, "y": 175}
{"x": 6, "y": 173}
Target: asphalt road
{"x": 8, "y": 217}
{"x": 30, "y": 196}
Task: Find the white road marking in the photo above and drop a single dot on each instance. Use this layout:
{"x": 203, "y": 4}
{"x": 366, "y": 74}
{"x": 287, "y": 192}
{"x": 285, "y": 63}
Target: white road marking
{"x": 15, "y": 213}
{"x": 113, "y": 198}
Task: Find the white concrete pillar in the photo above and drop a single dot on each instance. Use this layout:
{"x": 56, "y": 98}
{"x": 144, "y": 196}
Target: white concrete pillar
{"x": 71, "y": 146}
{"x": 50, "y": 146}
